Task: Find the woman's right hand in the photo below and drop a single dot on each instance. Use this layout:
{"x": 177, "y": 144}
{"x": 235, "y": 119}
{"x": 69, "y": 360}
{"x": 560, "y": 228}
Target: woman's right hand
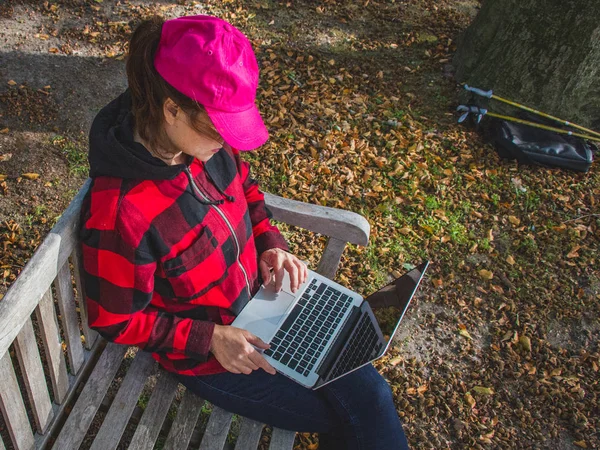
{"x": 233, "y": 348}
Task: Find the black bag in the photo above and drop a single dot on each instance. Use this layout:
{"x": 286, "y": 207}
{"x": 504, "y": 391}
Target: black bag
{"x": 530, "y": 145}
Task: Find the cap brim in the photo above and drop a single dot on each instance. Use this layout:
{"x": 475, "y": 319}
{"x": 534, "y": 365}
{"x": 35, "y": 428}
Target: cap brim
{"x": 243, "y": 130}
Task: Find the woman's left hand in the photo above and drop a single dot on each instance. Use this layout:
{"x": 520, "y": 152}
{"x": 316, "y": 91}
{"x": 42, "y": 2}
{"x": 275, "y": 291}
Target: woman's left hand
{"x": 279, "y": 260}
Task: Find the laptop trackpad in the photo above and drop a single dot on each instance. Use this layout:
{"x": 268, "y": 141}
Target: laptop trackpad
{"x": 275, "y": 304}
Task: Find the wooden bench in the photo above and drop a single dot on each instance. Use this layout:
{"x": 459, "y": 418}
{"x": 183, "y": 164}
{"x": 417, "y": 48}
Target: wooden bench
{"x": 60, "y": 396}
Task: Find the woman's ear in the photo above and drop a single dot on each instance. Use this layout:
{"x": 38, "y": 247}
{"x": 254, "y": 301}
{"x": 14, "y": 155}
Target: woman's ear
{"x": 170, "y": 110}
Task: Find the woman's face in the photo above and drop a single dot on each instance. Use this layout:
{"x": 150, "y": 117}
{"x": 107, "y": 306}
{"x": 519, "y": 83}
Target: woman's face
{"x": 186, "y": 139}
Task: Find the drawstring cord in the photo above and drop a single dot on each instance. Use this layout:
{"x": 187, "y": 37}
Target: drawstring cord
{"x": 230, "y": 198}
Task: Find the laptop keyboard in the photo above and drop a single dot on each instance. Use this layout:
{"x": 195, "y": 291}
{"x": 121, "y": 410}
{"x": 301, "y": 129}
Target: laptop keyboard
{"x": 360, "y": 349}
{"x": 303, "y": 336}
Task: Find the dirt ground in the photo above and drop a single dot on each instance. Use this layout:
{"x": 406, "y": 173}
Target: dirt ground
{"x": 499, "y": 360}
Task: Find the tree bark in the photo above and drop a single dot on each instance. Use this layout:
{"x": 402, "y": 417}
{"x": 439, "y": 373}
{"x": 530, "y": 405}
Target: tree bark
{"x": 545, "y": 54}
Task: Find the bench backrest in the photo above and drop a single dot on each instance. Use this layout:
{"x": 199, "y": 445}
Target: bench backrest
{"x": 41, "y": 336}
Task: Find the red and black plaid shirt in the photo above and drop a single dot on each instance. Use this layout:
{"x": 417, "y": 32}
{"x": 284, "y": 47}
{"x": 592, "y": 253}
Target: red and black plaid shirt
{"x": 162, "y": 267}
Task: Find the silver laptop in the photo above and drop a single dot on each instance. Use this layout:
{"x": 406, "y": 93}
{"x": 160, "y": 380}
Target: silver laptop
{"x": 325, "y": 331}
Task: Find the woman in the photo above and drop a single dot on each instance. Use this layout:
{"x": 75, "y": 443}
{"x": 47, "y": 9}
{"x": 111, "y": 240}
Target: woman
{"x": 176, "y": 236}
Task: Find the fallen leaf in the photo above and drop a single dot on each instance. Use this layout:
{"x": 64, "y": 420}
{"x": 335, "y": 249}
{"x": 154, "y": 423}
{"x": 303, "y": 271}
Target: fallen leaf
{"x": 514, "y": 220}
{"x": 497, "y": 289}
{"x": 4, "y": 131}
{"x": 395, "y": 361}
{"x": 486, "y": 274}
{"x": 573, "y": 253}
{"x": 31, "y": 176}
{"x": 462, "y": 330}
{"x": 531, "y": 370}
{"x": 518, "y": 184}
{"x": 470, "y": 400}
{"x": 483, "y": 390}
{"x": 510, "y": 260}
{"x": 580, "y": 444}
{"x": 525, "y": 343}
{"x": 12, "y": 83}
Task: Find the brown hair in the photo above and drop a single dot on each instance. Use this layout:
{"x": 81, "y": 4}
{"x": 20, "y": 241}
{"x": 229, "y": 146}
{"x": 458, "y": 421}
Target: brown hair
{"x": 149, "y": 91}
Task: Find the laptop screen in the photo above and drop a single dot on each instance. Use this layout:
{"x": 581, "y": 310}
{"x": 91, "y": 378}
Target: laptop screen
{"x": 391, "y": 302}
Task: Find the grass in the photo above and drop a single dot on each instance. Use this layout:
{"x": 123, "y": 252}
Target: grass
{"x": 75, "y": 152}
{"x": 39, "y": 215}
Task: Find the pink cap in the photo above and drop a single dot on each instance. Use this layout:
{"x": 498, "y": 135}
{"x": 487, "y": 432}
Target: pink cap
{"x": 212, "y": 62}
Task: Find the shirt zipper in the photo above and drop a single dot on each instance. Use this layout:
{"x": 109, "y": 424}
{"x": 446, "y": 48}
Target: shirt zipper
{"x": 222, "y": 214}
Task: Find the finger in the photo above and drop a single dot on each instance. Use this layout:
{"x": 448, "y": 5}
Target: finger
{"x": 244, "y": 362}
{"x": 248, "y": 363}
{"x": 232, "y": 369}
{"x": 265, "y": 272}
{"x": 255, "y": 340}
{"x": 279, "y": 275}
{"x": 305, "y": 270}
{"x": 301, "y": 271}
{"x": 261, "y": 362}
{"x": 293, "y": 271}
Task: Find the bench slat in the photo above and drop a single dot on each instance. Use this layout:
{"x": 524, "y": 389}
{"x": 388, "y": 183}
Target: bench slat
{"x": 57, "y": 366}
{"x": 185, "y": 422}
{"x": 87, "y": 405}
{"x": 217, "y": 429}
{"x": 118, "y": 416}
{"x": 282, "y": 439}
{"x": 250, "y": 432}
{"x": 13, "y": 407}
{"x": 154, "y": 415}
{"x": 337, "y": 223}
{"x": 66, "y": 305}
{"x": 33, "y": 376}
{"x": 89, "y": 334}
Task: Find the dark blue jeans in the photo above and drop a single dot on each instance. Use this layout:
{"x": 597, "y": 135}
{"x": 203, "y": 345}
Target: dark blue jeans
{"x": 355, "y": 412}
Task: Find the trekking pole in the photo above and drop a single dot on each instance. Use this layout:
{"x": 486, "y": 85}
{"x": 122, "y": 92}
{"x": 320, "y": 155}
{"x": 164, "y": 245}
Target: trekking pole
{"x": 480, "y": 112}
{"x": 490, "y": 94}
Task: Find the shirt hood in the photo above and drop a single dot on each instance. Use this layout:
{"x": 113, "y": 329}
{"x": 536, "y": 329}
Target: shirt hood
{"x": 114, "y": 153}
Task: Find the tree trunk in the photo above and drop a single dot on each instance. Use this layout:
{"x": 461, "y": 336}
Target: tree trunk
{"x": 544, "y": 54}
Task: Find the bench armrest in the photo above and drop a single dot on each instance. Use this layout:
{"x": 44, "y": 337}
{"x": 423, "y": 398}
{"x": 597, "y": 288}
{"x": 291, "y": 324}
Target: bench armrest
{"x": 341, "y": 226}
{"x": 337, "y": 223}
